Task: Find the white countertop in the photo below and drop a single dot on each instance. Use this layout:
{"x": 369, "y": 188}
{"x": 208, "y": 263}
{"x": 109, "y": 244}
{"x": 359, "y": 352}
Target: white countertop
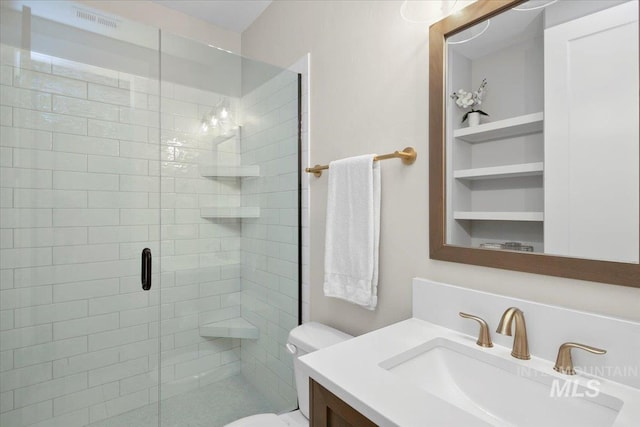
{"x": 351, "y": 370}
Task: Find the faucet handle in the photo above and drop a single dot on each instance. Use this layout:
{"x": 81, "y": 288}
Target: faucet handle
{"x": 484, "y": 337}
{"x": 564, "y": 363}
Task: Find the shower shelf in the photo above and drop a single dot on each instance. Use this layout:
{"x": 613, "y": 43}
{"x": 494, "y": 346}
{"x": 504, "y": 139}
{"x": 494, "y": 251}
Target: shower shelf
{"x": 222, "y": 138}
{"x": 229, "y": 171}
{"x": 230, "y": 212}
{"x": 230, "y": 328}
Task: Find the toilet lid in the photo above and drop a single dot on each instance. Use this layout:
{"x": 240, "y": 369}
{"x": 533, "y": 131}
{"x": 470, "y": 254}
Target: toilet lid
{"x": 260, "y": 420}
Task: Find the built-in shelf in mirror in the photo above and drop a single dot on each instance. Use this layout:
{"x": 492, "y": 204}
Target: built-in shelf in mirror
{"x": 507, "y": 171}
{"x": 507, "y": 128}
{"x": 500, "y": 216}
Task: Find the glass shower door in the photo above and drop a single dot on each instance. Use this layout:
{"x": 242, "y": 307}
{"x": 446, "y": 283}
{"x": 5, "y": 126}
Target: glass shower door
{"x": 110, "y": 145}
{"x": 230, "y": 234}
{"x": 80, "y": 200}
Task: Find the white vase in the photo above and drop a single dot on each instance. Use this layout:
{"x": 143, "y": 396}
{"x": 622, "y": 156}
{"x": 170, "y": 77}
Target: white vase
{"x": 474, "y": 119}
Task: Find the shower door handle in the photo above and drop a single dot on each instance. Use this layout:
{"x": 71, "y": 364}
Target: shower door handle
{"x": 145, "y": 276}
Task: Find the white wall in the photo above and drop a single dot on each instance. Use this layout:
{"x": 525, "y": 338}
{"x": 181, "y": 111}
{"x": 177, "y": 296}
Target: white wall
{"x": 369, "y": 93}
{"x": 155, "y": 15}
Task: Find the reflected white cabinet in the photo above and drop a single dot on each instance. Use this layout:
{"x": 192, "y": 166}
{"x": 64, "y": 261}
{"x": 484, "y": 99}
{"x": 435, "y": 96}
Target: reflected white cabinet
{"x": 591, "y": 136}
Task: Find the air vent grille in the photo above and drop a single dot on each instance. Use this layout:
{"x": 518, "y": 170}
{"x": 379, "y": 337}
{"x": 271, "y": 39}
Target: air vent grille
{"x": 96, "y": 19}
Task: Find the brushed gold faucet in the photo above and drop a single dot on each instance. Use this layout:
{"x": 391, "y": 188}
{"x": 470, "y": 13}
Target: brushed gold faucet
{"x": 520, "y": 344}
{"x": 564, "y": 364}
{"x": 484, "y": 337}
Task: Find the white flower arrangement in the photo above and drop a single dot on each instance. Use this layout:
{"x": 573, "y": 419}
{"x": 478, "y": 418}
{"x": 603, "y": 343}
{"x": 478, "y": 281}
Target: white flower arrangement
{"x": 466, "y": 99}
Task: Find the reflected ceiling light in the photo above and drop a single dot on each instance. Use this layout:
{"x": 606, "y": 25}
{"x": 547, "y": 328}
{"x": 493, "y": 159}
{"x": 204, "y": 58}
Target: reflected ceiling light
{"x": 430, "y": 11}
{"x": 470, "y": 32}
{"x": 219, "y": 118}
{"x": 219, "y": 48}
{"x": 534, "y": 5}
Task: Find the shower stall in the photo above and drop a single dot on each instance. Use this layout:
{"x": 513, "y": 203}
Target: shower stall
{"x": 149, "y": 224}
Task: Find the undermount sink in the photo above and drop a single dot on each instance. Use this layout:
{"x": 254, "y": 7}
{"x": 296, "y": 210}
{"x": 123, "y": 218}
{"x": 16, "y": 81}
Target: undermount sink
{"x": 502, "y": 391}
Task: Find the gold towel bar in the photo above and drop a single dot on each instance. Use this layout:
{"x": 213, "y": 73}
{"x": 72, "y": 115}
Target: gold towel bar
{"x": 408, "y": 156}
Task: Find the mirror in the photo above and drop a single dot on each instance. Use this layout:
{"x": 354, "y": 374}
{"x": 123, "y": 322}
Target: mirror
{"x": 534, "y": 138}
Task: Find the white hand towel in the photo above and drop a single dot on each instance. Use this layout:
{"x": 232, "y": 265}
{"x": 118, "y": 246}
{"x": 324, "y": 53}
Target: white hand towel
{"x": 353, "y": 231}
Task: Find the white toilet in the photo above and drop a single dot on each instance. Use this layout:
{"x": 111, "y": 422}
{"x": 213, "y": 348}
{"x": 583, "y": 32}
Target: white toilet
{"x": 303, "y": 339}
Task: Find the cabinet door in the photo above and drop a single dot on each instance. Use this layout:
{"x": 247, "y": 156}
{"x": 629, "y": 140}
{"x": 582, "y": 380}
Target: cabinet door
{"x": 328, "y": 410}
{"x": 591, "y": 136}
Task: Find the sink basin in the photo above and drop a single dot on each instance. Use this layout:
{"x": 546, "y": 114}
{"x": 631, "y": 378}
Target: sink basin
{"x": 501, "y": 391}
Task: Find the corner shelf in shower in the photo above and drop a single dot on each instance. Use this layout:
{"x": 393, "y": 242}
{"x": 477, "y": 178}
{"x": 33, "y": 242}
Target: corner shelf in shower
{"x": 225, "y": 137}
{"x": 230, "y": 212}
{"x": 229, "y": 171}
{"x": 230, "y": 328}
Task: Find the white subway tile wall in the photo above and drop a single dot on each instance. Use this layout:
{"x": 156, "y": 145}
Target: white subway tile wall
{"x": 88, "y": 179}
{"x": 270, "y": 242}
{"x": 65, "y": 342}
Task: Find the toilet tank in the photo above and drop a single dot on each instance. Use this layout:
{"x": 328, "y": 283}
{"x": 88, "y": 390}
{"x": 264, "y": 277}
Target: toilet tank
{"x": 304, "y": 339}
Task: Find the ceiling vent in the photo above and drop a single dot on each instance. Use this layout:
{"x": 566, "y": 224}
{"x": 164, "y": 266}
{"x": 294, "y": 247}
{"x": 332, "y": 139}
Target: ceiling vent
{"x": 96, "y": 19}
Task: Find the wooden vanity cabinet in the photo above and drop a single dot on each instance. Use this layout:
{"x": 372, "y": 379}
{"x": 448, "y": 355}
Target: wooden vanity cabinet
{"x": 328, "y": 410}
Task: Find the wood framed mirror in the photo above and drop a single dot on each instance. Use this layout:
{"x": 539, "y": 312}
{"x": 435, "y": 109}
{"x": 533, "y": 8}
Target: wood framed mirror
{"x": 593, "y": 260}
